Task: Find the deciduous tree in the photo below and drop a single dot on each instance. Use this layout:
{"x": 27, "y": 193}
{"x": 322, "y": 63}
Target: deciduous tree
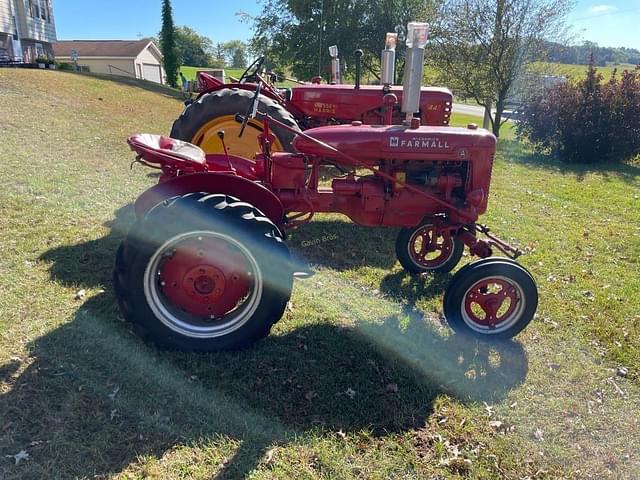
{"x": 297, "y": 33}
{"x": 482, "y": 46}
{"x": 235, "y": 53}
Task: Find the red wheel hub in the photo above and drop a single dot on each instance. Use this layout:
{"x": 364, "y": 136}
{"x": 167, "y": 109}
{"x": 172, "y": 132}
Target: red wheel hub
{"x": 430, "y": 248}
{"x": 205, "y": 277}
{"x": 491, "y": 301}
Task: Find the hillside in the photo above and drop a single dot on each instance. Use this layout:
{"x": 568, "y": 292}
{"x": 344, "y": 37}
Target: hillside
{"x": 361, "y": 379}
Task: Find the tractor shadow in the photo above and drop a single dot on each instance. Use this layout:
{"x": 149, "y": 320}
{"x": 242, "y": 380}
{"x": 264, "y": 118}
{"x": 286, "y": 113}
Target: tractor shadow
{"x": 92, "y": 398}
{"x": 341, "y": 245}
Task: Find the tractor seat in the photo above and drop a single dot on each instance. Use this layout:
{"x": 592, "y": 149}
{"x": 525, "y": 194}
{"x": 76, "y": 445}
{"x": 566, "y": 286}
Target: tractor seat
{"x": 162, "y": 149}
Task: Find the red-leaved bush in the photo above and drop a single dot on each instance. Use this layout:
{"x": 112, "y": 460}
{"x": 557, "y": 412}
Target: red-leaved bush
{"x": 588, "y": 121}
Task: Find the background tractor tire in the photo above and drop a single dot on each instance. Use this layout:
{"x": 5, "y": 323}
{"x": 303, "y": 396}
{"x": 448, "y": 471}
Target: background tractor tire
{"x": 200, "y": 122}
{"x": 166, "y": 240}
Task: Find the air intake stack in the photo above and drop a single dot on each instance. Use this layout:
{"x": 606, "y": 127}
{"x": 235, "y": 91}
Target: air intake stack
{"x": 414, "y": 68}
{"x": 336, "y": 75}
{"x": 388, "y": 61}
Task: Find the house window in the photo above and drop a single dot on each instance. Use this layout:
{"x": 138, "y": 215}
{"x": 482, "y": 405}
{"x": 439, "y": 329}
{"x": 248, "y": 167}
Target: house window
{"x": 34, "y": 8}
{"x": 43, "y": 9}
{"x": 49, "y": 12}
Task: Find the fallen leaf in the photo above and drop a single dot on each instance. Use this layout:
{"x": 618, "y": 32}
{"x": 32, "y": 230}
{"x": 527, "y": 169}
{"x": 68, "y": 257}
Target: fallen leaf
{"x": 488, "y": 408}
{"x": 113, "y": 394}
{"x": 391, "y": 388}
{"x": 18, "y": 457}
{"x": 350, "y": 393}
{"x": 539, "y": 435}
{"x": 310, "y": 395}
{"x": 497, "y": 424}
{"x": 622, "y": 372}
{"x": 269, "y": 458}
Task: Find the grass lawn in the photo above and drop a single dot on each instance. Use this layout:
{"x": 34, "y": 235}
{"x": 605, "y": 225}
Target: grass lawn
{"x": 361, "y": 379}
{"x": 190, "y": 72}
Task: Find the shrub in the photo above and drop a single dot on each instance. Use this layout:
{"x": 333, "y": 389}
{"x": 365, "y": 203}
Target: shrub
{"x": 588, "y": 121}
{"x": 65, "y": 66}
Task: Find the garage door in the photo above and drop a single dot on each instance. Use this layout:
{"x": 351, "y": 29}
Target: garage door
{"x": 151, "y": 72}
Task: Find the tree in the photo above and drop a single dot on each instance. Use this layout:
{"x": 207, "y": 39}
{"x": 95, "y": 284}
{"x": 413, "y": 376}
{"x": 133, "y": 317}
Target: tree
{"x": 297, "y": 33}
{"x": 482, "y": 46}
{"x": 194, "y": 49}
{"x": 218, "y": 54}
{"x": 235, "y": 52}
{"x": 168, "y": 44}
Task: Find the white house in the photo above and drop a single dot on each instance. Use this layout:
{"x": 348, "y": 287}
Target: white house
{"x": 27, "y": 30}
{"x": 129, "y": 58}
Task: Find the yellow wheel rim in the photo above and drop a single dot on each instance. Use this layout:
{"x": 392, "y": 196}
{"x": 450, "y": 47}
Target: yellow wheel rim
{"x": 247, "y": 146}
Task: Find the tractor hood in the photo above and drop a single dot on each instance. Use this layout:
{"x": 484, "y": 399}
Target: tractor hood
{"x": 343, "y": 102}
{"x": 370, "y": 143}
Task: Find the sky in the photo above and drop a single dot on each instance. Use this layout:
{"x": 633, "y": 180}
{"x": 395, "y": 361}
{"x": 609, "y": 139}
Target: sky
{"x": 611, "y": 23}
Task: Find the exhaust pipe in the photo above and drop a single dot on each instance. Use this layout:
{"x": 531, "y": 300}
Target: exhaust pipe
{"x": 336, "y": 75}
{"x": 414, "y": 69}
{"x": 359, "y": 54}
{"x": 388, "y": 62}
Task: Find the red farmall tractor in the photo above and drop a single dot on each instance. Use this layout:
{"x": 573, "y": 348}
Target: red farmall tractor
{"x": 301, "y": 108}
{"x": 206, "y": 266}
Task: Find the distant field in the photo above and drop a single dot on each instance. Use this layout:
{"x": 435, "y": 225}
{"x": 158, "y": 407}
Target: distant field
{"x": 575, "y": 72}
{"x": 190, "y": 72}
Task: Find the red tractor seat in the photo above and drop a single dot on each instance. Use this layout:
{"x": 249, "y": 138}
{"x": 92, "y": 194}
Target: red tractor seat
{"x": 162, "y": 150}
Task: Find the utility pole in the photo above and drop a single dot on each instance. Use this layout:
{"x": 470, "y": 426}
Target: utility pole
{"x": 321, "y": 39}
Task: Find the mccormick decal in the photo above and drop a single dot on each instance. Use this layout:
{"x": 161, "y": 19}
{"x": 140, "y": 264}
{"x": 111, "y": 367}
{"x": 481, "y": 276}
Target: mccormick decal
{"x": 419, "y": 143}
{"x": 320, "y": 107}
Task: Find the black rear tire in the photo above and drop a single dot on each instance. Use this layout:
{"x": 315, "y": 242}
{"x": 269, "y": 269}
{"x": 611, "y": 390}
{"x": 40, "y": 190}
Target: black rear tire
{"x": 141, "y": 296}
{"x": 226, "y": 102}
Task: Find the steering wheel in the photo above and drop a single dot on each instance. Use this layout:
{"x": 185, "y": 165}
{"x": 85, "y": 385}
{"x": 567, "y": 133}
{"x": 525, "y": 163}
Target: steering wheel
{"x": 252, "y": 111}
{"x": 253, "y": 70}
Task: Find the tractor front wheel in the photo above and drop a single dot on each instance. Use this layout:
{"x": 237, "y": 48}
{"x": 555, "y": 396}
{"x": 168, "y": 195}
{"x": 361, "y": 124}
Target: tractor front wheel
{"x": 491, "y": 298}
{"x": 203, "y": 272}
{"x": 421, "y": 249}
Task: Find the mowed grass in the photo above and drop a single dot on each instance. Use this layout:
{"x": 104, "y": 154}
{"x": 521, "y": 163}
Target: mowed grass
{"x": 360, "y": 379}
{"x": 191, "y": 72}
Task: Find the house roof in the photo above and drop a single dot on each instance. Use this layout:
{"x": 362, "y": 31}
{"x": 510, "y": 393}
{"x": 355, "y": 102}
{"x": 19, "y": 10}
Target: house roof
{"x": 104, "y": 48}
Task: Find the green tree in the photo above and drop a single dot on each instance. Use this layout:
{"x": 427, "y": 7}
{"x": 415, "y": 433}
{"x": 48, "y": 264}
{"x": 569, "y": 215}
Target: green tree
{"x": 218, "y": 54}
{"x": 297, "y": 33}
{"x": 168, "y": 44}
{"x": 482, "y": 46}
{"x": 194, "y": 49}
{"x": 235, "y": 52}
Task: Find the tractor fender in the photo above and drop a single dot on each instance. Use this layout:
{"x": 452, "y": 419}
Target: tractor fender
{"x": 246, "y": 190}
{"x": 251, "y": 87}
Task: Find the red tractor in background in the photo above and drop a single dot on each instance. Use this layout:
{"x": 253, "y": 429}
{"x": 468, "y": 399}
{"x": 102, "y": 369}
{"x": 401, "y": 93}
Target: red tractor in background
{"x": 206, "y": 267}
{"x": 302, "y": 107}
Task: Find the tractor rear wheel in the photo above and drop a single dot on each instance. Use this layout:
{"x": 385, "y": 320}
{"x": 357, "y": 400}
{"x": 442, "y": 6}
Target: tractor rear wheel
{"x": 203, "y": 272}
{"x": 416, "y": 255}
{"x": 493, "y": 298}
{"x": 201, "y": 121}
